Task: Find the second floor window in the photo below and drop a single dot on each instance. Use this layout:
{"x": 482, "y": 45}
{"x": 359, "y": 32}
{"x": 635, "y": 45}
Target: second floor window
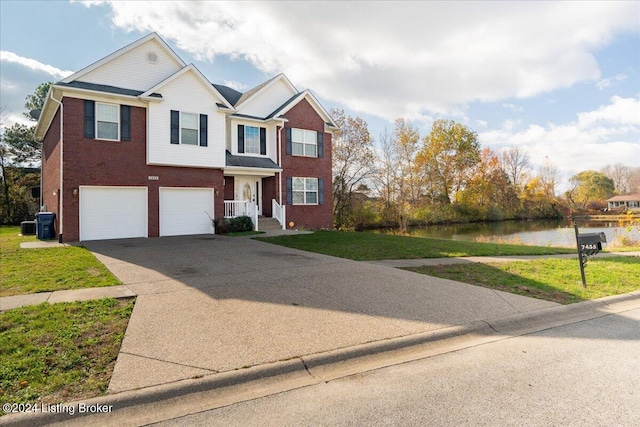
{"x": 251, "y": 140}
{"x": 107, "y": 121}
{"x": 304, "y": 143}
{"x": 189, "y": 128}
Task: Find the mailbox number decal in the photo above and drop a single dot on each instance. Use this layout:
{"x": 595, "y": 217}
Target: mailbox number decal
{"x": 592, "y": 246}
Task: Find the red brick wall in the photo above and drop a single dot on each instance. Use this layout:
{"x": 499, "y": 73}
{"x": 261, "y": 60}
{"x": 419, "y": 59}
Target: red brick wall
{"x": 303, "y": 116}
{"x": 96, "y": 162}
{"x": 51, "y": 168}
{"x": 269, "y": 193}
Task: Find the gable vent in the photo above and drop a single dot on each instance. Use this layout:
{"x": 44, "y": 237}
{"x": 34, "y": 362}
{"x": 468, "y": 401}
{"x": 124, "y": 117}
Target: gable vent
{"x": 152, "y": 57}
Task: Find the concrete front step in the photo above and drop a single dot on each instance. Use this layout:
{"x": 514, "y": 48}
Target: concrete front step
{"x": 268, "y": 224}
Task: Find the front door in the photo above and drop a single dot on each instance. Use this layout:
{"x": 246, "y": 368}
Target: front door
{"x": 248, "y": 188}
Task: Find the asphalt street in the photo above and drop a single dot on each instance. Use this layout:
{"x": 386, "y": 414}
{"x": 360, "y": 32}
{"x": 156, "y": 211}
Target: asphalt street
{"x": 581, "y": 374}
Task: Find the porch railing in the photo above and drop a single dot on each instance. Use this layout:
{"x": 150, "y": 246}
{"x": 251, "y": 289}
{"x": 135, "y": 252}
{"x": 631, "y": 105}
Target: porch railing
{"x": 279, "y": 213}
{"x": 236, "y": 208}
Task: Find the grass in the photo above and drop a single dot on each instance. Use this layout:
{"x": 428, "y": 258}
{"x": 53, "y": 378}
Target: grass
{"x": 26, "y": 271}
{"x": 60, "y": 352}
{"x": 371, "y": 246}
{"x": 555, "y": 280}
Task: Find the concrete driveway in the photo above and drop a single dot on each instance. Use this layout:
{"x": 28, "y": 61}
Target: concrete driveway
{"x": 211, "y": 304}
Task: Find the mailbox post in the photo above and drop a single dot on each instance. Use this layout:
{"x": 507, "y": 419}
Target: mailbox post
{"x": 589, "y": 244}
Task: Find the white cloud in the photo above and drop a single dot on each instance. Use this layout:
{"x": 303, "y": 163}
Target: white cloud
{"x": 512, "y": 107}
{"x": 240, "y": 87}
{"x": 398, "y": 59}
{"x": 10, "y": 57}
{"x": 607, "y": 135}
{"x": 605, "y": 83}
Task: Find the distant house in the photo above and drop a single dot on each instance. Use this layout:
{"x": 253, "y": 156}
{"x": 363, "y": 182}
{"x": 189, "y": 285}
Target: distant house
{"x": 140, "y": 144}
{"x": 628, "y": 202}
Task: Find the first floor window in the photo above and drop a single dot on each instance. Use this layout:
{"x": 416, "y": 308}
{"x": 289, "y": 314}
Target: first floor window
{"x": 189, "y": 128}
{"x": 305, "y": 191}
{"x": 107, "y": 121}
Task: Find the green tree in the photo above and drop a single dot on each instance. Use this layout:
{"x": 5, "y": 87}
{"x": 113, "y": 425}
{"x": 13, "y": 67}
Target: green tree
{"x": 353, "y": 163}
{"x": 19, "y": 150}
{"x": 449, "y": 157}
{"x": 589, "y": 187}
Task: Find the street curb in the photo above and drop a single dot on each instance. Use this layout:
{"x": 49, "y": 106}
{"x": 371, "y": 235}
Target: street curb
{"x": 326, "y": 366}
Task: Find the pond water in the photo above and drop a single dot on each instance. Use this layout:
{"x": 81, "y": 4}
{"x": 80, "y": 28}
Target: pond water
{"x": 538, "y": 232}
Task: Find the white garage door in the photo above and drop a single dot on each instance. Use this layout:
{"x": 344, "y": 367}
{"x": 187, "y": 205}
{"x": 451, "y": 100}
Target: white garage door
{"x": 113, "y": 212}
{"x": 186, "y": 211}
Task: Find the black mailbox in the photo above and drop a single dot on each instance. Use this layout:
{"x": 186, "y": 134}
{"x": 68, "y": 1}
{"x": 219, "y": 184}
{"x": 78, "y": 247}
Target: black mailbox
{"x": 591, "y": 243}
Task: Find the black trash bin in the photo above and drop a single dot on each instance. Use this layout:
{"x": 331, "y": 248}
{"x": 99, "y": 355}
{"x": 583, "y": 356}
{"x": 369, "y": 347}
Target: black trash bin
{"x": 45, "y": 225}
{"x": 28, "y": 228}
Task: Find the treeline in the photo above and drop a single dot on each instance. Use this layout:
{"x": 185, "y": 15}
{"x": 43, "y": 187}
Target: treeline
{"x": 445, "y": 176}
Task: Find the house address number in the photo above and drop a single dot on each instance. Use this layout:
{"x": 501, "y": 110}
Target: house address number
{"x": 153, "y": 178}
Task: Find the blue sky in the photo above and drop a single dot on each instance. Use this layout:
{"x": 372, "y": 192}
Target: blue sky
{"x": 559, "y": 79}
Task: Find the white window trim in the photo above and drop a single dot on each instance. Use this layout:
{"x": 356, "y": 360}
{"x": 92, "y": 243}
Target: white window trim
{"x": 181, "y": 126}
{"x": 305, "y": 191}
{"x": 304, "y": 144}
{"x": 96, "y": 121}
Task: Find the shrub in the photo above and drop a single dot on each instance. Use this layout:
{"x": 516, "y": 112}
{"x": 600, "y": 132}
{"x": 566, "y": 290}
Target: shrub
{"x": 234, "y": 225}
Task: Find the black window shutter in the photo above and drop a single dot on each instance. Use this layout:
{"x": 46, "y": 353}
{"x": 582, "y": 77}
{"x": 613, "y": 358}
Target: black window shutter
{"x": 321, "y": 191}
{"x": 204, "y": 123}
{"x": 289, "y": 190}
{"x": 89, "y": 119}
{"x": 287, "y": 132}
{"x": 320, "y": 144}
{"x": 175, "y": 127}
{"x": 263, "y": 141}
{"x": 125, "y": 123}
{"x": 240, "y": 138}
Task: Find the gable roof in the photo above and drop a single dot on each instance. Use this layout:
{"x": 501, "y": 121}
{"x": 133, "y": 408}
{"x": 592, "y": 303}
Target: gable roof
{"x": 625, "y": 198}
{"x": 188, "y": 69}
{"x": 310, "y": 97}
{"x": 250, "y": 94}
{"x": 122, "y": 51}
{"x": 229, "y": 94}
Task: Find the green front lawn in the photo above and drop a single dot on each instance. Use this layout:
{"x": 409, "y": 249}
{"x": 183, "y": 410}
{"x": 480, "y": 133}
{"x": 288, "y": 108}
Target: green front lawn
{"x": 371, "y": 246}
{"x": 60, "y": 352}
{"x": 555, "y": 280}
{"x": 26, "y": 271}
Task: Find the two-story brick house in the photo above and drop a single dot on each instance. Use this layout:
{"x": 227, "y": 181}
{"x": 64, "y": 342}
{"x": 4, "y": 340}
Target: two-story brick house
{"x": 140, "y": 144}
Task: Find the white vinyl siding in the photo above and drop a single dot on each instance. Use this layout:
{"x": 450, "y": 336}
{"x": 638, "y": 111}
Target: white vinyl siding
{"x": 267, "y": 101}
{"x": 186, "y": 211}
{"x": 186, "y": 93}
{"x": 304, "y": 143}
{"x": 113, "y": 212}
{"x": 132, "y": 71}
{"x": 107, "y": 121}
{"x": 305, "y": 191}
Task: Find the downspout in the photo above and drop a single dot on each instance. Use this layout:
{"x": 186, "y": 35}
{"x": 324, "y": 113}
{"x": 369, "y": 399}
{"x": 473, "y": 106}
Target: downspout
{"x": 60, "y": 222}
{"x": 280, "y": 162}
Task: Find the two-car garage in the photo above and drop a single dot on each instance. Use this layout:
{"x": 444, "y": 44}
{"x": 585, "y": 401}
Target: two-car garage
{"x": 115, "y": 212}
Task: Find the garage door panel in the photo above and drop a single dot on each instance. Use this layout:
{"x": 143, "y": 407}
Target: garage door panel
{"x": 186, "y": 211}
{"x": 113, "y": 212}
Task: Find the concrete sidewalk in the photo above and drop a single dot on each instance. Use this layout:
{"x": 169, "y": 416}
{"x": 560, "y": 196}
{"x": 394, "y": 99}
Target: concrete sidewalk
{"x": 217, "y": 312}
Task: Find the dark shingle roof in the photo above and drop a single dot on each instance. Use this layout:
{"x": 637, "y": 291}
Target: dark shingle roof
{"x": 106, "y": 88}
{"x": 250, "y": 162}
{"x": 231, "y": 95}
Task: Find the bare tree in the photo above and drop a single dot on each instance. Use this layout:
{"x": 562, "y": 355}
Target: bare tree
{"x": 620, "y": 174}
{"x": 549, "y": 175}
{"x": 515, "y": 163}
{"x": 353, "y": 162}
